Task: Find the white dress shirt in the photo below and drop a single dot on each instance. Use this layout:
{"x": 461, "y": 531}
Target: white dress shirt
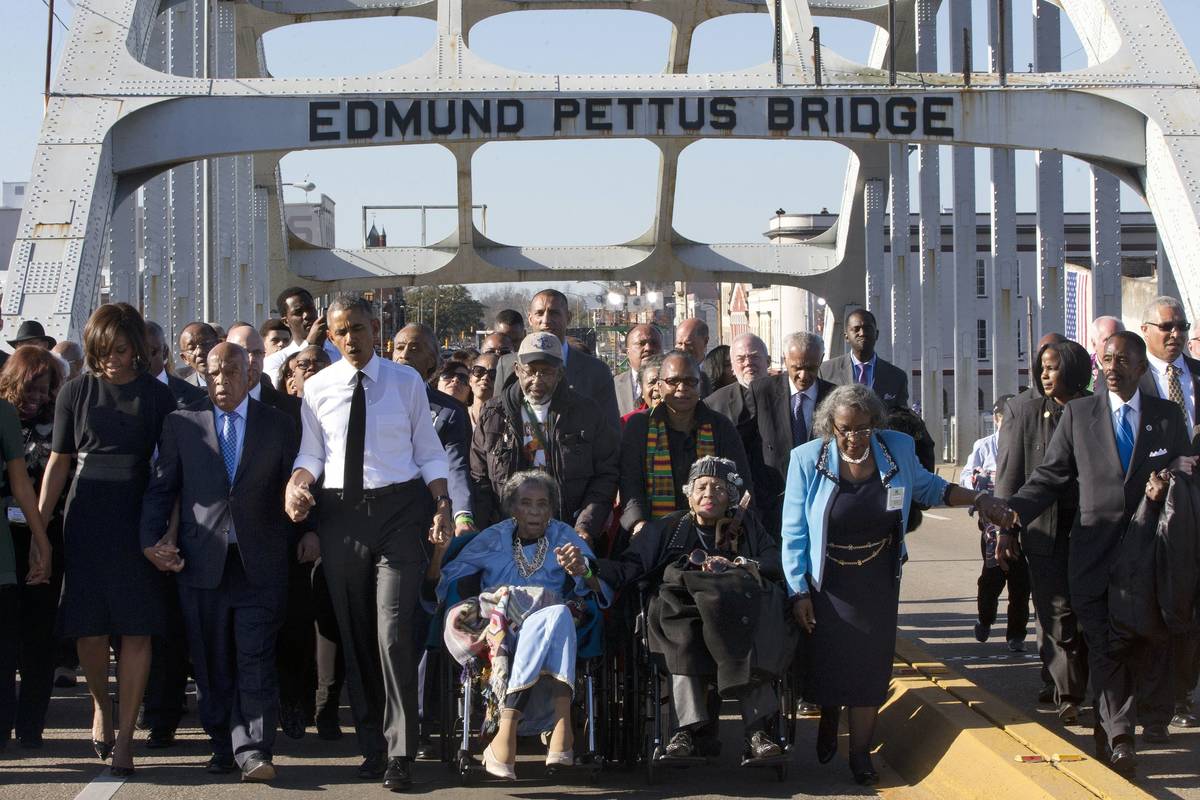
{"x": 983, "y": 458}
{"x": 809, "y": 406}
{"x": 1135, "y": 412}
{"x": 1158, "y": 369}
{"x": 400, "y": 441}
{"x": 273, "y": 363}
{"x": 162, "y": 377}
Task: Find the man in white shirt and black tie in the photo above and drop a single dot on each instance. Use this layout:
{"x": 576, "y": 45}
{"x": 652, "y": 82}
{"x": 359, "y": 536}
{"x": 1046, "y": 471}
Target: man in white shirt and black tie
{"x": 1175, "y": 375}
{"x": 367, "y": 429}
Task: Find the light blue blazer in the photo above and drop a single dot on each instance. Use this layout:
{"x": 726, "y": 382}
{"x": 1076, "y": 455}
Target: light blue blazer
{"x": 812, "y": 485}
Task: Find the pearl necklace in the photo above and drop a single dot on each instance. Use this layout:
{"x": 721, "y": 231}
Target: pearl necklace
{"x": 866, "y": 454}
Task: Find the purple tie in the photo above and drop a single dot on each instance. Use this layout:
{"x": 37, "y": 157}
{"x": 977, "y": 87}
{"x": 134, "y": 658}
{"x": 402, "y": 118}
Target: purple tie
{"x": 799, "y": 426}
{"x": 862, "y": 373}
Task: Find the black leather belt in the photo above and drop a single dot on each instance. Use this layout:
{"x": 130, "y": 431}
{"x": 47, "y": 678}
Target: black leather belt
{"x": 374, "y": 494}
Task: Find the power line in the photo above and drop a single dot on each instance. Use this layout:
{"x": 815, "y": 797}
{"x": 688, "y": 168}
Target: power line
{"x": 56, "y": 16}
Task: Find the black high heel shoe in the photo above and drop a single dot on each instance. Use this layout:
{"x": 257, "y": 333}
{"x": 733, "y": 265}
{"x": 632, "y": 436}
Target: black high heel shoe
{"x": 863, "y": 770}
{"x": 103, "y": 749}
{"x": 827, "y": 734}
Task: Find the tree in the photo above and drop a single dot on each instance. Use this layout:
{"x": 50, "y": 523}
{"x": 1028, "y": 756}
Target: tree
{"x": 450, "y": 310}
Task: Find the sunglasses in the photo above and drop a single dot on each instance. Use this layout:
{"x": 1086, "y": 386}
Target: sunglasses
{"x": 1167, "y": 327}
{"x": 483, "y": 372}
{"x": 453, "y": 377}
{"x": 699, "y": 558}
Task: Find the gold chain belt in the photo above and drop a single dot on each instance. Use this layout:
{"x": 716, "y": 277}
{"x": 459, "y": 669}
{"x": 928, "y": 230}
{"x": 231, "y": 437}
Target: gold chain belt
{"x": 878, "y": 547}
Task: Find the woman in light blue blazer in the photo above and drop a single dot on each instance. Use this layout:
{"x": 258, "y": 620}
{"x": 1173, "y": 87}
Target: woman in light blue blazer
{"x": 845, "y": 511}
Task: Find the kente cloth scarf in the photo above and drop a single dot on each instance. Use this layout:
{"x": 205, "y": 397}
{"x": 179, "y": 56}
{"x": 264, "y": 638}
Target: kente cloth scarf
{"x": 660, "y": 483}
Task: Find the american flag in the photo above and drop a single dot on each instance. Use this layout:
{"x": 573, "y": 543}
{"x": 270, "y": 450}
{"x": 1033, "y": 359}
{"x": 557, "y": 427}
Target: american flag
{"x": 1079, "y": 305}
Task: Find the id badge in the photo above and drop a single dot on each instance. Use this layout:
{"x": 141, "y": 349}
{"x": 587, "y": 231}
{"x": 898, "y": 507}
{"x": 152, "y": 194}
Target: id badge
{"x": 895, "y": 499}
{"x": 17, "y": 516}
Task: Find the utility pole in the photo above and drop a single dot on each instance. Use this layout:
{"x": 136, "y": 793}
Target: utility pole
{"x": 49, "y": 51}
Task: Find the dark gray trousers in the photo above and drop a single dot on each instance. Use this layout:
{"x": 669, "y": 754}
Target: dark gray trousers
{"x": 374, "y": 556}
{"x": 1060, "y": 640}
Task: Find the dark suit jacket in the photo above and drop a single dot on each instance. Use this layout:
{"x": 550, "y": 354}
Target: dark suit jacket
{"x": 769, "y": 442}
{"x": 452, "y": 423}
{"x": 186, "y": 395}
{"x": 733, "y": 401}
{"x": 1030, "y": 420}
{"x": 190, "y": 468}
{"x": 585, "y": 375}
{"x": 280, "y": 401}
{"x": 1084, "y": 449}
{"x": 1150, "y": 387}
{"x": 889, "y": 381}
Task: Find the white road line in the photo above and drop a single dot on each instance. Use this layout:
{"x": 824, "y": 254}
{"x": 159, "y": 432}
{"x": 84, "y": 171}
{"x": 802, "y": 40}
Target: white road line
{"x": 936, "y": 516}
{"x": 102, "y": 788}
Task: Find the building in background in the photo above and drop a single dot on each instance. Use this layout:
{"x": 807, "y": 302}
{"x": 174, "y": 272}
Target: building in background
{"x": 13, "y": 200}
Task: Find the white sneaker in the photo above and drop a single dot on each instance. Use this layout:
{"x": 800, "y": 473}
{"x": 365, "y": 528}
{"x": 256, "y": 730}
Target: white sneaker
{"x": 564, "y": 759}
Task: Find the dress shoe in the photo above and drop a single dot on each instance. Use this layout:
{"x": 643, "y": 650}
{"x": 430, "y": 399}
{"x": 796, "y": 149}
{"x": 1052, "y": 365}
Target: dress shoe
{"x": 680, "y": 746}
{"x": 121, "y": 772}
{"x": 982, "y": 632}
{"x": 372, "y": 767}
{"x": 258, "y": 768}
{"x": 863, "y": 770}
{"x": 65, "y": 678}
{"x": 220, "y": 764}
{"x": 160, "y": 739}
{"x": 1068, "y": 714}
{"x": 1016, "y": 645}
{"x": 291, "y": 721}
{"x": 1184, "y": 718}
{"x": 761, "y": 745}
{"x": 1123, "y": 761}
{"x": 496, "y": 767}
{"x": 425, "y": 748}
{"x": 33, "y": 741}
{"x": 399, "y": 774}
{"x": 103, "y": 749}
{"x": 1156, "y": 734}
{"x": 329, "y": 731}
{"x": 565, "y": 758}
{"x": 807, "y": 710}
{"x": 827, "y": 735}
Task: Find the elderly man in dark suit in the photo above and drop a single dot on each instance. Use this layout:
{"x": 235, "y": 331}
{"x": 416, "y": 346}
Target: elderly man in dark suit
{"x": 185, "y": 393}
{"x": 863, "y": 365}
{"x": 642, "y": 341}
{"x": 1175, "y": 375}
{"x": 195, "y": 340}
{"x": 1110, "y": 445}
{"x": 751, "y": 361}
{"x": 247, "y": 337}
{"x": 585, "y": 374}
{"x": 782, "y": 410}
{"x": 231, "y": 554}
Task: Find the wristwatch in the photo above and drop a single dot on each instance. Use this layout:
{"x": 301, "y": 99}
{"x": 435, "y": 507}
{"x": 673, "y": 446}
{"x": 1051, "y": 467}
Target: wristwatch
{"x": 445, "y": 498}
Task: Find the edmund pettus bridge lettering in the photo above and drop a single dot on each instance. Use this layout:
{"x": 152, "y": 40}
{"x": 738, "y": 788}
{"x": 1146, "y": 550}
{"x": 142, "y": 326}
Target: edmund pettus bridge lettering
{"x": 821, "y": 116}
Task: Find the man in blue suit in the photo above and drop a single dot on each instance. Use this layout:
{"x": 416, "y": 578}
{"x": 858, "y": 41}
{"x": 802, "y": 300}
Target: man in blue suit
{"x": 231, "y": 554}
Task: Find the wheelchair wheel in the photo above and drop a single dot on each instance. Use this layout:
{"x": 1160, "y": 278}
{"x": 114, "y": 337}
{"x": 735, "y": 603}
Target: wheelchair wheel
{"x": 464, "y": 768}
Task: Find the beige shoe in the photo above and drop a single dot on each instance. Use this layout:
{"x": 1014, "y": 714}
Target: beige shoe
{"x": 563, "y": 759}
{"x": 494, "y": 766}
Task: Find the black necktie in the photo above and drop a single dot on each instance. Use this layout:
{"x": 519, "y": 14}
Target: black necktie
{"x": 799, "y": 427}
{"x": 356, "y": 444}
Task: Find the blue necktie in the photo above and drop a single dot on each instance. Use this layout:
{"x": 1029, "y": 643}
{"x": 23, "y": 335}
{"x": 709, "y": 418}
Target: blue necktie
{"x": 1124, "y": 438}
{"x": 228, "y": 440}
{"x": 799, "y": 427}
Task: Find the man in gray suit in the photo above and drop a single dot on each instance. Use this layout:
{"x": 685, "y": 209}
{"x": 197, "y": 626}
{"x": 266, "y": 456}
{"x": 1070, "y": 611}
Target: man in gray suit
{"x": 1110, "y": 444}
{"x": 585, "y": 374}
{"x": 195, "y": 341}
{"x": 231, "y": 554}
{"x": 642, "y": 340}
{"x": 863, "y": 365}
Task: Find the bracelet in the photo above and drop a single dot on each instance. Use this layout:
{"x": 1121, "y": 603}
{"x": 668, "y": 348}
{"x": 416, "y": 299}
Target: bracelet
{"x": 464, "y": 517}
{"x": 444, "y": 498}
{"x": 587, "y": 575}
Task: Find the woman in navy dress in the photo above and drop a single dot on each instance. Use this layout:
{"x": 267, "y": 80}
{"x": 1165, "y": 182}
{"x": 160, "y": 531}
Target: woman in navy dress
{"x": 106, "y": 427}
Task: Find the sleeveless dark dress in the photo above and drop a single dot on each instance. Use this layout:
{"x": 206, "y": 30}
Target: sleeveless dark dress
{"x": 110, "y": 587}
{"x": 855, "y": 638}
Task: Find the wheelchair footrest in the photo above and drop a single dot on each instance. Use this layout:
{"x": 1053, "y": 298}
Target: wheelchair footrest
{"x": 681, "y": 761}
{"x": 772, "y": 761}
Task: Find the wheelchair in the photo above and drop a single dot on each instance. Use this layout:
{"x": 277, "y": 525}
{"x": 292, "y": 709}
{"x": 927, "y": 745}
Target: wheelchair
{"x": 461, "y": 691}
{"x": 645, "y": 717}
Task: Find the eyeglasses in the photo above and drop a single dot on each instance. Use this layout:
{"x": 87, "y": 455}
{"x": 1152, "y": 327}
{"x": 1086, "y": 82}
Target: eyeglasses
{"x": 699, "y": 558}
{"x": 453, "y": 377}
{"x": 308, "y": 364}
{"x": 858, "y": 433}
{"x": 483, "y": 372}
{"x": 685, "y": 380}
{"x": 497, "y": 351}
{"x": 1167, "y": 327}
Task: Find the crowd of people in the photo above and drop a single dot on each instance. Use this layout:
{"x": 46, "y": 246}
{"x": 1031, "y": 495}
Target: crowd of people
{"x": 288, "y": 513}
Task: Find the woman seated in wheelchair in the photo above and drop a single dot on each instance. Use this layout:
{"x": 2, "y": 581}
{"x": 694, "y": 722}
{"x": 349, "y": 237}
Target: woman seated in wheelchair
{"x": 535, "y": 573}
{"x": 716, "y": 614}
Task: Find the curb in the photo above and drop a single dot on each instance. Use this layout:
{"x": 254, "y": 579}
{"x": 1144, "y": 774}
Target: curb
{"x": 943, "y": 733}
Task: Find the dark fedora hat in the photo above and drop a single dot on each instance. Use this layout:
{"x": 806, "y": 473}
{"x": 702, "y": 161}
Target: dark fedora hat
{"x": 31, "y": 331}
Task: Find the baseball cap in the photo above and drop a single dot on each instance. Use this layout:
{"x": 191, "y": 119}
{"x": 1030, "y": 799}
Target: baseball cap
{"x": 540, "y": 347}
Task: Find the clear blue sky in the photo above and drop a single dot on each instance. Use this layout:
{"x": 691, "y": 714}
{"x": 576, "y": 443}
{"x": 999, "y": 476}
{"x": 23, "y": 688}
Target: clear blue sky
{"x": 560, "y": 192}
